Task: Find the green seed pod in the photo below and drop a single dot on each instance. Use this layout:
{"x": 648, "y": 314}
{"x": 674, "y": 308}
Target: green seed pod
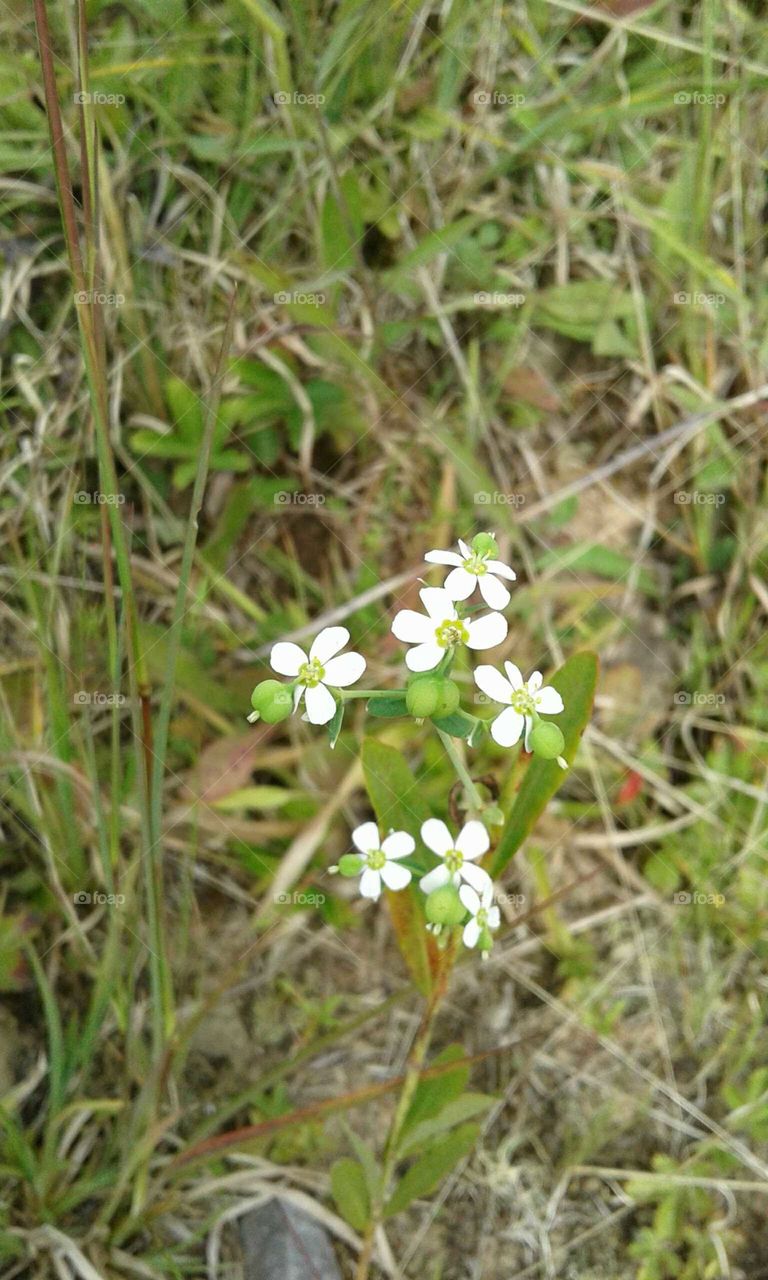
{"x": 350, "y": 864}
{"x": 423, "y": 695}
{"x": 272, "y": 700}
{"x": 547, "y": 741}
{"x": 484, "y": 544}
{"x": 444, "y": 906}
{"x": 493, "y": 816}
{"x": 448, "y": 700}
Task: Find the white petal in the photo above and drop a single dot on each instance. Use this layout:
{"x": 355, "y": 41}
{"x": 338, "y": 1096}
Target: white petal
{"x": 493, "y": 684}
{"x": 549, "y": 702}
{"x": 528, "y": 732}
{"x": 443, "y": 557}
{"x": 435, "y": 879}
{"x": 471, "y": 933}
{"x": 501, "y": 569}
{"x": 494, "y": 593}
{"x": 475, "y": 876}
{"x": 460, "y": 584}
{"x": 494, "y": 918}
{"x": 473, "y": 840}
{"x": 437, "y": 603}
{"x": 398, "y": 844}
{"x": 436, "y": 836}
{"x": 487, "y": 898}
{"x": 412, "y": 627}
{"x": 486, "y": 632}
{"x": 424, "y": 657}
{"x": 298, "y": 691}
{"x": 370, "y": 883}
{"x": 344, "y": 670}
{"x": 366, "y": 837}
{"x": 286, "y": 658}
{"x": 464, "y": 549}
{"x": 535, "y": 681}
{"x": 507, "y": 727}
{"x": 514, "y": 675}
{"x": 470, "y": 899}
{"x": 330, "y": 640}
{"x": 395, "y": 876}
{"x": 320, "y": 703}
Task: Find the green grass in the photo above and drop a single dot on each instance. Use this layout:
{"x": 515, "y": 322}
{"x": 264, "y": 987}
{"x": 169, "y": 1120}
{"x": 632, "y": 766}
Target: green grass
{"x": 372, "y": 401}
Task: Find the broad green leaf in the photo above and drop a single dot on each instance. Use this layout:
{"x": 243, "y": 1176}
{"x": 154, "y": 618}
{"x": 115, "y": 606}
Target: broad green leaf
{"x": 261, "y": 797}
{"x": 433, "y": 1095}
{"x": 458, "y": 725}
{"x": 575, "y": 681}
{"x": 349, "y": 1190}
{"x": 430, "y": 1169}
{"x": 456, "y": 1112}
{"x": 388, "y": 708}
{"x": 397, "y": 802}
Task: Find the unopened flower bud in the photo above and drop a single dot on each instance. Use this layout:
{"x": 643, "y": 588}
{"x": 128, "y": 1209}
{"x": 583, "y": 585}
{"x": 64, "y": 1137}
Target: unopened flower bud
{"x": 350, "y": 864}
{"x": 272, "y": 701}
{"x": 422, "y": 696}
{"x": 484, "y": 544}
{"x": 546, "y": 741}
{"x": 444, "y": 906}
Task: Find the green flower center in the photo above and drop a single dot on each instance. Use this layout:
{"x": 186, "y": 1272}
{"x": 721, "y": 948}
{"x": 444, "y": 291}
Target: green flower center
{"x": 375, "y": 859}
{"x": 523, "y": 702}
{"x": 450, "y": 633}
{"x": 454, "y": 860}
{"x": 476, "y": 564}
{"x": 310, "y": 674}
{"x": 482, "y": 918}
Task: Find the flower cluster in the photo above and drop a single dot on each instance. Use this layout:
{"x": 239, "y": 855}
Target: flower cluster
{"x": 458, "y": 892}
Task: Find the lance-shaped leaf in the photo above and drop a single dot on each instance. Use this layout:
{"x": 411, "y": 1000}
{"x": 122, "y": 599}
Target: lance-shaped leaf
{"x": 397, "y": 802}
{"x": 575, "y": 682}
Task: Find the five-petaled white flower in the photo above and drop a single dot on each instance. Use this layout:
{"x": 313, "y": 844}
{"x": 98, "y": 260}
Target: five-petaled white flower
{"x": 381, "y": 858}
{"x": 523, "y": 699}
{"x": 474, "y": 569}
{"x": 315, "y": 672}
{"x": 442, "y": 629}
{"x": 458, "y": 856}
{"x": 485, "y": 915}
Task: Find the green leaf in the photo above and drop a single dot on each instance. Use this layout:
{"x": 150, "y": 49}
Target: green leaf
{"x": 349, "y": 1190}
{"x": 456, "y": 1112}
{"x": 575, "y": 681}
{"x": 434, "y": 1094}
{"x": 397, "y": 802}
{"x": 457, "y": 725}
{"x": 388, "y": 708}
{"x": 334, "y": 727}
{"x": 430, "y": 1169}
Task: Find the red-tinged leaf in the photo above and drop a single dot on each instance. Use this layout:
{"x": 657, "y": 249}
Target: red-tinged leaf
{"x": 630, "y": 788}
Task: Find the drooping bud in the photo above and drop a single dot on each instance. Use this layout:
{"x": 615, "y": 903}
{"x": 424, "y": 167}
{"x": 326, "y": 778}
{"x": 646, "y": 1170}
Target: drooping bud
{"x": 546, "y": 740}
{"x": 350, "y": 864}
{"x": 484, "y": 544}
{"x": 422, "y": 696}
{"x": 444, "y": 906}
{"x": 448, "y": 700}
{"x": 272, "y": 701}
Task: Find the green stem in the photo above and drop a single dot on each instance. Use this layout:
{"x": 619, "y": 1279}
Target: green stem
{"x": 462, "y": 774}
